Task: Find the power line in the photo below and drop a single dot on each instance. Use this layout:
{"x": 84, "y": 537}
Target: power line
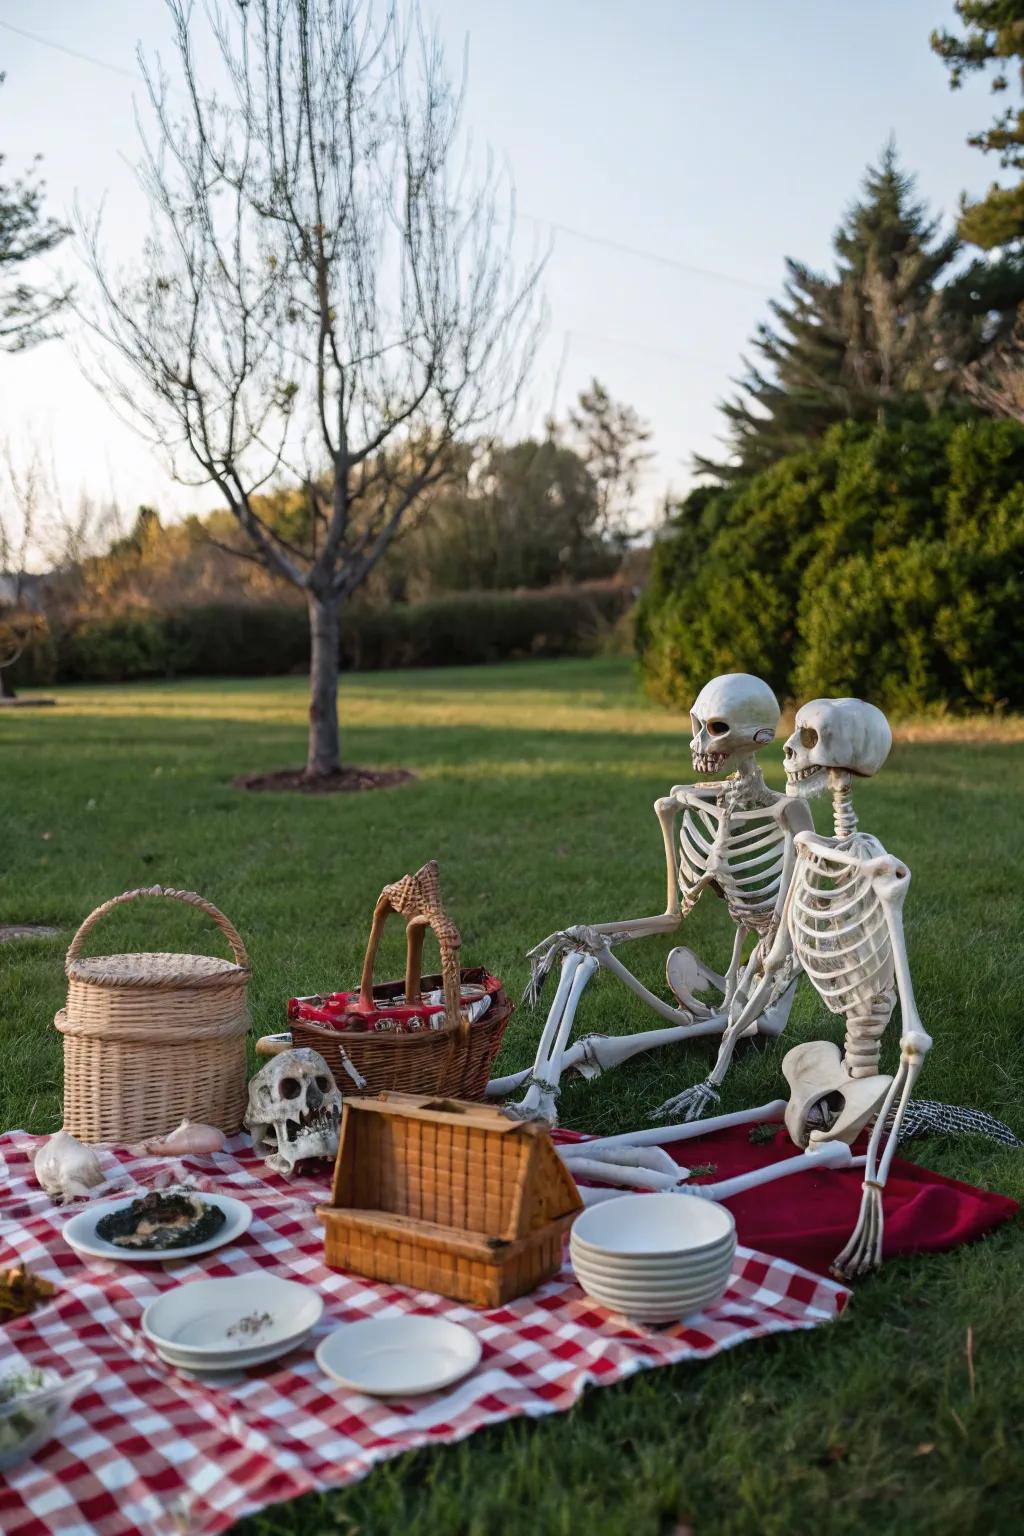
{"x": 665, "y": 261}
{"x": 565, "y": 229}
{"x": 72, "y": 53}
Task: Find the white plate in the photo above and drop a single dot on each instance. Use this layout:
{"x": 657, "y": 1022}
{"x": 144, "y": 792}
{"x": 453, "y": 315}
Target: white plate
{"x": 654, "y": 1226}
{"x": 205, "y": 1320}
{"x": 238, "y": 1360}
{"x": 80, "y": 1232}
{"x": 399, "y": 1356}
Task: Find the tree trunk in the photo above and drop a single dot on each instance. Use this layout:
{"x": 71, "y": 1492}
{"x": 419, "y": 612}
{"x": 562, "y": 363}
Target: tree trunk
{"x": 6, "y": 686}
{"x": 324, "y": 755}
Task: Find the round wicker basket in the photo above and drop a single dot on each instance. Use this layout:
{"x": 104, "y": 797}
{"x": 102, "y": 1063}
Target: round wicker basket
{"x": 151, "y": 1039}
{"x": 455, "y": 1060}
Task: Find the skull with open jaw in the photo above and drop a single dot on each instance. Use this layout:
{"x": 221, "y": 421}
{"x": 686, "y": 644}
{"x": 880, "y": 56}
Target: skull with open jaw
{"x": 294, "y": 1110}
{"x": 834, "y": 741}
{"x": 732, "y": 717}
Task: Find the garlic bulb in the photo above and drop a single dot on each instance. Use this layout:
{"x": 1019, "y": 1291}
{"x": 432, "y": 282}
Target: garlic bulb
{"x": 187, "y": 1140}
{"x": 66, "y": 1169}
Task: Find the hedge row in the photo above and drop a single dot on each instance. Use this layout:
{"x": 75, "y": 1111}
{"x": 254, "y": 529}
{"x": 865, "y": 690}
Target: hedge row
{"x": 261, "y": 641}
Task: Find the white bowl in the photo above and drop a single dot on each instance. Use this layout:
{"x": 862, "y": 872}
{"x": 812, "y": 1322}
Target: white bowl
{"x": 673, "y": 1306}
{"x": 32, "y": 1418}
{"x": 654, "y": 1226}
{"x": 657, "y": 1312}
{"x": 206, "y": 1323}
{"x": 653, "y": 1269}
{"x": 658, "y": 1309}
{"x": 399, "y": 1356}
{"x": 639, "y": 1288}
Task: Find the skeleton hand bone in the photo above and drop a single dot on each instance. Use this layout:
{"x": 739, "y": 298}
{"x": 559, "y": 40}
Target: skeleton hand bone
{"x": 583, "y": 937}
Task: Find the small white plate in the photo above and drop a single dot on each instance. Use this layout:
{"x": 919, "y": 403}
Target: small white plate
{"x": 80, "y": 1232}
{"x": 210, "y": 1323}
{"x": 399, "y": 1356}
{"x": 238, "y": 1360}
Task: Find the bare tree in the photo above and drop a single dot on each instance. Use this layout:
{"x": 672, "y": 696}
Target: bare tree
{"x": 20, "y": 605}
{"x": 327, "y": 293}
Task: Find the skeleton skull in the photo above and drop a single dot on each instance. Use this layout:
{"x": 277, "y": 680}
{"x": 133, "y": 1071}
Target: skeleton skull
{"x": 833, "y": 740}
{"x": 732, "y": 716}
{"x": 294, "y": 1109}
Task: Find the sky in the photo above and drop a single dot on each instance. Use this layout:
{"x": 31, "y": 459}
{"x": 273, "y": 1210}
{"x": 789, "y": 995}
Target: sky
{"x": 673, "y": 152}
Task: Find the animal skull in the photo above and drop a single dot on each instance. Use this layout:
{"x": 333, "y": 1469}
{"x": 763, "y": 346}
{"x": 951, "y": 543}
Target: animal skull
{"x": 732, "y": 716}
{"x": 294, "y": 1109}
{"x": 834, "y": 740}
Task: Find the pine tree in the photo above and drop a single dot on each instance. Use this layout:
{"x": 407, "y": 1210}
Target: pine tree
{"x": 25, "y": 235}
{"x": 994, "y": 35}
{"x": 876, "y": 341}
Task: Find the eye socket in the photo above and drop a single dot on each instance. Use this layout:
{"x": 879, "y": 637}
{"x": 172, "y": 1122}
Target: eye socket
{"x": 808, "y": 736}
{"x": 717, "y": 727}
{"x": 290, "y": 1087}
{"x": 323, "y": 1083}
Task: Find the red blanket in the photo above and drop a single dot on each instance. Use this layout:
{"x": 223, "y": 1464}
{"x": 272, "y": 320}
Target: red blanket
{"x": 808, "y": 1218}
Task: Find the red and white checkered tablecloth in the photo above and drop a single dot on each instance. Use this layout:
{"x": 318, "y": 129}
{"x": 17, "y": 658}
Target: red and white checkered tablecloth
{"x": 150, "y": 1450}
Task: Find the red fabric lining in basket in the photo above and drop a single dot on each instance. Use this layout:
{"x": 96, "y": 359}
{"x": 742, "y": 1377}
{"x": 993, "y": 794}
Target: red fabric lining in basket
{"x": 343, "y": 1011}
{"x": 808, "y": 1219}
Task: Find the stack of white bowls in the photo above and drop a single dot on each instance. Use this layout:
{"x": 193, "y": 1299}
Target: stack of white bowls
{"x": 655, "y": 1258}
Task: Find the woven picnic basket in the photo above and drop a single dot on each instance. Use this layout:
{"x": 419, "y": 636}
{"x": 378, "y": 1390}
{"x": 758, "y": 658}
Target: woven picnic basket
{"x": 151, "y": 1039}
{"x": 454, "y": 1060}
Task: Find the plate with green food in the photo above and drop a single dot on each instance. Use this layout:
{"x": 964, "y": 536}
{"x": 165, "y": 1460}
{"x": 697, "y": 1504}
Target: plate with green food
{"x": 161, "y": 1225}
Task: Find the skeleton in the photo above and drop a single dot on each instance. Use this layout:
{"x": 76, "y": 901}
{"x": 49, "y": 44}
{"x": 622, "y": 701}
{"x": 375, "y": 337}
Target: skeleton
{"x": 853, "y": 732}
{"x": 842, "y": 925}
{"x": 733, "y": 836}
{"x": 294, "y": 1110}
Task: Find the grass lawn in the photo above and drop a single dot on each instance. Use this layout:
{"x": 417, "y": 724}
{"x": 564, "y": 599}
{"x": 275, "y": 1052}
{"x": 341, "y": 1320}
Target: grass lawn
{"x": 534, "y": 792}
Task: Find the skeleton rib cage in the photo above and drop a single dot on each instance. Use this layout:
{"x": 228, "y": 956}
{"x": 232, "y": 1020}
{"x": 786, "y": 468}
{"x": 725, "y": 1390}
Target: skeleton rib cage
{"x": 739, "y": 853}
{"x": 842, "y": 941}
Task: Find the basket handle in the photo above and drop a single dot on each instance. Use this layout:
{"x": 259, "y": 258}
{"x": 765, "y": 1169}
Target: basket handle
{"x": 190, "y": 898}
{"x": 418, "y": 899}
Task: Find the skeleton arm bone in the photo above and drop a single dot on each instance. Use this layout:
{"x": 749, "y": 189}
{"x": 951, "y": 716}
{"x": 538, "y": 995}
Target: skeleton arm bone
{"x": 890, "y": 880}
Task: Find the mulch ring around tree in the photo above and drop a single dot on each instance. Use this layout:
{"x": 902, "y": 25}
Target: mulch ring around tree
{"x": 348, "y": 781}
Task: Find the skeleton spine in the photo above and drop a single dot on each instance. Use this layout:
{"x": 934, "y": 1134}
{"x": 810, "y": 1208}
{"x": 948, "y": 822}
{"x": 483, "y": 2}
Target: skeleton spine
{"x": 864, "y": 1031}
{"x": 843, "y": 812}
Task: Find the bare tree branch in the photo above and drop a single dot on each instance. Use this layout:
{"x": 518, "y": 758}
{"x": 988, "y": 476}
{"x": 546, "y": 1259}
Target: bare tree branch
{"x": 322, "y": 283}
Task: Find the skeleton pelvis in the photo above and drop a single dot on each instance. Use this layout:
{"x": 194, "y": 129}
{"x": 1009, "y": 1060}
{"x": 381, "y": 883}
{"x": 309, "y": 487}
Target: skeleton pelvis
{"x": 816, "y": 1076}
{"x": 686, "y": 975}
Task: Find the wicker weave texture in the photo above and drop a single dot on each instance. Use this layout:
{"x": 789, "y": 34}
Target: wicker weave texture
{"x": 151, "y": 1039}
{"x": 447, "y": 1196}
{"x": 456, "y": 1063}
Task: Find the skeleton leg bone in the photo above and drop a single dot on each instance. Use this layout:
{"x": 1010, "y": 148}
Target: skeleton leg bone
{"x": 833, "y": 1154}
{"x": 539, "y": 1101}
{"x": 594, "y": 1054}
{"x": 864, "y": 1249}
{"x": 654, "y": 1158}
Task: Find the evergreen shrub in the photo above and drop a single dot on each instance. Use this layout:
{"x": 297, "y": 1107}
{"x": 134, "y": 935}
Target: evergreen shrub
{"x": 887, "y": 563}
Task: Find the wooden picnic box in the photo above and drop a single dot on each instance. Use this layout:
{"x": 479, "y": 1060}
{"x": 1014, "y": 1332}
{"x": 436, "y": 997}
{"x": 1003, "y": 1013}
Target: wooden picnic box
{"x": 449, "y": 1196}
